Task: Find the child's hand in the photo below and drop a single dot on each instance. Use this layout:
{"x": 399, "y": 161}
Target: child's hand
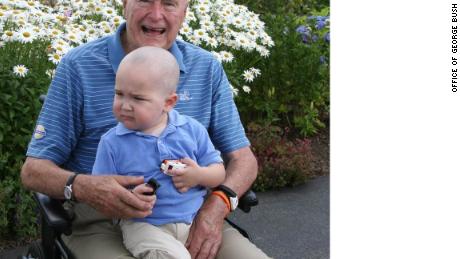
{"x": 140, "y": 190}
{"x": 188, "y": 177}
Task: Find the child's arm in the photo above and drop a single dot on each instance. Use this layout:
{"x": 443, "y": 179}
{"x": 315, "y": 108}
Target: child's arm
{"x": 193, "y": 175}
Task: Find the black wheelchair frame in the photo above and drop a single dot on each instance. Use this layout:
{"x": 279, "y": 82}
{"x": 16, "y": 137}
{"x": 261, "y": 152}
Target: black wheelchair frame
{"x": 55, "y": 221}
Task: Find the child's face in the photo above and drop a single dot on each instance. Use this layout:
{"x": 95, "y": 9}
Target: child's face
{"x": 139, "y": 103}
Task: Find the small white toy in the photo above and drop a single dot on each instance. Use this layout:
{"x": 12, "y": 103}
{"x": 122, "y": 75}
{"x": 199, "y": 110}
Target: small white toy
{"x": 167, "y": 165}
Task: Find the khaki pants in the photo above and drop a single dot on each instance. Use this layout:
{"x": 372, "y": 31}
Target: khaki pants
{"x": 96, "y": 237}
{"x": 146, "y": 241}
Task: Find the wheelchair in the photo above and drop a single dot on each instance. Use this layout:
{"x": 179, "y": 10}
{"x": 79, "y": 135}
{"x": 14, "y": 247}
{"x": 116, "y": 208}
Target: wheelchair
{"x": 56, "y": 221}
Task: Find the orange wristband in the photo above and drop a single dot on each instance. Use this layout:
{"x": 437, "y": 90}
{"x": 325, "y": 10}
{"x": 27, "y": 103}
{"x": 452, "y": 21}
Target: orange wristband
{"x": 223, "y": 197}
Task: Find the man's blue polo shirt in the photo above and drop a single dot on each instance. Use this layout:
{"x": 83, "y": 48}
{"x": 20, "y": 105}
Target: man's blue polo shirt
{"x": 78, "y": 107}
{"x": 126, "y": 152}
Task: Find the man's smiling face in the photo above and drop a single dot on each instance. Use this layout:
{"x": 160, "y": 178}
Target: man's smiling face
{"x": 152, "y": 22}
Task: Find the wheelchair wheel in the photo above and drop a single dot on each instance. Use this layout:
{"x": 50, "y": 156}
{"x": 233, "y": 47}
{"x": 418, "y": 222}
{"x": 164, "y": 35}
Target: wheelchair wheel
{"x": 35, "y": 251}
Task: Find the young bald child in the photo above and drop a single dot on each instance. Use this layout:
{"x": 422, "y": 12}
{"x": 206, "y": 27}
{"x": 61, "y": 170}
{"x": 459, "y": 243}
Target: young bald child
{"x": 150, "y": 131}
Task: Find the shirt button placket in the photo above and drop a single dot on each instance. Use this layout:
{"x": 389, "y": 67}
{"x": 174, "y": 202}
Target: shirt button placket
{"x": 164, "y": 154}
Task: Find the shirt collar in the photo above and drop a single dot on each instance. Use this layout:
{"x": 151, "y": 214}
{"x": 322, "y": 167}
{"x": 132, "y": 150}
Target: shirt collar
{"x": 116, "y": 51}
{"x": 174, "y": 120}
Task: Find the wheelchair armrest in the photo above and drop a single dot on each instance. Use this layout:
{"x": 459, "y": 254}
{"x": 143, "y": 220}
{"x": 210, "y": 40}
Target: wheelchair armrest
{"x": 248, "y": 200}
{"x": 53, "y": 213}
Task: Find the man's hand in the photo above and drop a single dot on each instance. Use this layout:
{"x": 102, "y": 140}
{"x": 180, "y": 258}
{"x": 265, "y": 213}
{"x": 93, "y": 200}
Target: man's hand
{"x": 206, "y": 231}
{"x": 140, "y": 192}
{"x": 110, "y": 196}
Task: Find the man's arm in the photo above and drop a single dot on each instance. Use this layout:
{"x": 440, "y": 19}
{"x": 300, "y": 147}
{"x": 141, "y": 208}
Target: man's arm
{"x": 106, "y": 194}
{"x": 206, "y": 232}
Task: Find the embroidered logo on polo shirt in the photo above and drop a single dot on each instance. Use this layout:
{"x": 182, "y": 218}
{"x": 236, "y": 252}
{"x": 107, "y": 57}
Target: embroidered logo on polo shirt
{"x": 39, "y": 132}
{"x": 184, "y": 96}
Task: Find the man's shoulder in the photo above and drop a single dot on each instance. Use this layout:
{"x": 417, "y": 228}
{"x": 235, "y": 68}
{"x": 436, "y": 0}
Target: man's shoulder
{"x": 93, "y": 48}
{"x": 191, "y": 123}
{"x": 192, "y": 51}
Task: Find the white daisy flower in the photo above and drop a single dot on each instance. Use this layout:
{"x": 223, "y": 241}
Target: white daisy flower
{"x": 255, "y": 71}
{"x": 194, "y": 40}
{"x": 98, "y": 10}
{"x": 32, "y": 4}
{"x": 246, "y": 89}
{"x": 234, "y": 91}
{"x": 202, "y": 8}
{"x": 9, "y": 36}
{"x": 201, "y": 34}
{"x": 264, "y": 52}
{"x": 109, "y": 12}
{"x": 190, "y": 16}
{"x": 20, "y": 70}
{"x": 207, "y": 24}
{"x": 242, "y": 41}
{"x": 2, "y": 15}
{"x": 238, "y": 22}
{"x": 55, "y": 58}
{"x": 226, "y": 56}
{"x": 116, "y": 21}
{"x": 248, "y": 76}
{"x": 55, "y": 33}
{"x": 212, "y": 42}
{"x": 50, "y": 72}
{"x": 74, "y": 37}
{"x": 267, "y": 40}
{"x": 186, "y": 30}
{"x": 26, "y": 34}
{"x": 61, "y": 49}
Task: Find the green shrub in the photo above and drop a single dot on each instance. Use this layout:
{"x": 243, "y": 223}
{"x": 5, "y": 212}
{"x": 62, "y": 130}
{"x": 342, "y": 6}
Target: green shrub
{"x": 282, "y": 162}
{"x": 19, "y": 107}
{"x": 293, "y": 89}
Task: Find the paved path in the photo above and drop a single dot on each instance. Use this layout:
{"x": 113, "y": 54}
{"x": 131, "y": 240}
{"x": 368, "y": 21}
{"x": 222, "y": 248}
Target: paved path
{"x": 291, "y": 223}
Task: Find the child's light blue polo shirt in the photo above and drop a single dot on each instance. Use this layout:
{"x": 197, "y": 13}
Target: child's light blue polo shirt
{"x": 78, "y": 108}
{"x": 126, "y": 152}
